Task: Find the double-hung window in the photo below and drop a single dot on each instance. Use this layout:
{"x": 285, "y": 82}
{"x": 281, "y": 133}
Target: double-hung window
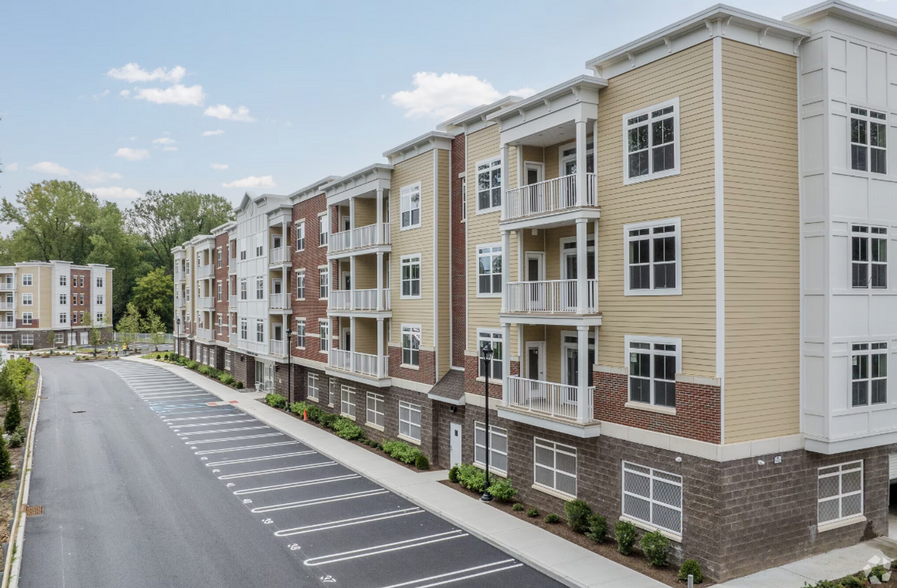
{"x": 300, "y": 236}
{"x": 489, "y": 185}
{"x": 653, "y": 363}
{"x": 99, "y": 299}
{"x": 554, "y": 466}
{"x": 651, "y": 142}
{"x": 324, "y": 330}
{"x": 27, "y": 318}
{"x": 839, "y": 492}
{"x": 652, "y": 258}
{"x": 464, "y": 198}
{"x": 99, "y": 282}
{"x": 653, "y": 497}
{"x": 219, "y": 290}
{"x": 311, "y": 387}
{"x": 498, "y": 447}
{"x": 410, "y": 200}
{"x": 324, "y": 277}
{"x": 259, "y": 331}
{"x": 331, "y": 391}
{"x": 63, "y": 318}
{"x": 868, "y": 140}
{"x": 244, "y": 290}
{"x": 300, "y": 285}
{"x": 347, "y": 401}
{"x": 259, "y": 288}
{"x": 27, "y": 299}
{"x": 244, "y": 329}
{"x": 27, "y": 339}
{"x": 411, "y": 276}
{"x": 300, "y": 333}
{"x": 27, "y": 279}
{"x": 323, "y": 229}
{"x": 411, "y": 345}
{"x": 489, "y": 270}
{"x": 63, "y": 280}
{"x": 409, "y": 420}
{"x": 496, "y": 365}
{"x": 63, "y": 299}
{"x": 868, "y": 257}
{"x": 375, "y": 409}
{"x": 868, "y": 374}
{"x": 218, "y": 259}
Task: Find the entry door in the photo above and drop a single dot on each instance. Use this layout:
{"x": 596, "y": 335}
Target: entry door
{"x": 346, "y": 339}
{"x": 533, "y": 175}
{"x": 84, "y": 338}
{"x": 73, "y": 338}
{"x": 259, "y": 376}
{"x": 455, "y": 444}
{"x": 535, "y": 370}
{"x": 535, "y": 273}
{"x": 278, "y": 331}
{"x": 276, "y": 286}
{"x": 276, "y": 241}
{"x": 347, "y": 281}
{"x": 571, "y": 362}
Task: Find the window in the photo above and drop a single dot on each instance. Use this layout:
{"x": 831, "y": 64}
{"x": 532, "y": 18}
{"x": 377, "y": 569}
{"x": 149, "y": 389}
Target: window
{"x": 27, "y": 279}
{"x": 260, "y": 246}
{"x": 411, "y": 345}
{"x": 494, "y": 338}
{"x": 81, "y": 299}
{"x": 300, "y": 236}
{"x": 80, "y": 281}
{"x": 188, "y": 293}
{"x": 347, "y": 401}
{"x": 869, "y": 373}
{"x": 63, "y": 318}
{"x": 27, "y": 299}
{"x": 324, "y": 277}
{"x": 187, "y": 266}
{"x": 243, "y": 250}
{"x": 218, "y": 256}
{"x": 323, "y": 229}
{"x": 99, "y": 299}
{"x": 653, "y": 497}
{"x": 410, "y": 200}
{"x": 311, "y": 387}
{"x": 489, "y": 270}
{"x": 300, "y": 333}
{"x": 650, "y": 140}
{"x": 6, "y": 338}
{"x": 59, "y": 338}
{"x": 869, "y": 257}
{"x": 27, "y": 318}
{"x": 409, "y": 420}
{"x": 840, "y": 492}
{"x": 300, "y": 285}
{"x": 324, "y": 330}
{"x": 259, "y": 288}
{"x": 100, "y": 318}
{"x": 464, "y": 198}
{"x": 653, "y": 363}
{"x": 81, "y": 316}
{"x": 868, "y": 145}
{"x": 244, "y": 290}
{"x": 227, "y": 360}
{"x": 27, "y": 339}
{"x": 498, "y": 447}
{"x": 651, "y": 258}
{"x": 375, "y": 408}
{"x": 63, "y": 281}
{"x": 489, "y": 185}
{"x": 63, "y": 299}
{"x": 244, "y": 329}
{"x": 411, "y": 276}
{"x": 259, "y": 331}
{"x": 99, "y": 282}
{"x": 554, "y": 466}
{"x": 219, "y": 291}
{"x": 218, "y": 317}
{"x": 74, "y": 317}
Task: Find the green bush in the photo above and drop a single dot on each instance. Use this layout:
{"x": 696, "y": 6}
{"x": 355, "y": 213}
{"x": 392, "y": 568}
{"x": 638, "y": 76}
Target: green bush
{"x": 552, "y": 518}
{"x": 656, "y": 548}
{"x": 166, "y": 357}
{"x": 13, "y": 417}
{"x": 578, "y": 513}
{"x": 471, "y": 477}
{"x": 376, "y": 445}
{"x": 16, "y": 440}
{"x": 315, "y": 412}
{"x": 532, "y": 513}
{"x": 401, "y": 451}
{"x": 517, "y": 507}
{"x": 347, "y": 429}
{"x": 327, "y": 419}
{"x": 453, "y": 475}
{"x": 854, "y": 582}
{"x": 503, "y": 490}
{"x": 5, "y": 461}
{"x": 421, "y": 462}
{"x": 226, "y": 378}
{"x": 239, "y": 385}
{"x": 203, "y": 369}
{"x": 299, "y": 407}
{"x": 192, "y": 365}
{"x": 597, "y": 528}
{"x": 625, "y": 533}
{"x": 692, "y": 567}
{"x": 878, "y": 571}
{"x": 276, "y": 400}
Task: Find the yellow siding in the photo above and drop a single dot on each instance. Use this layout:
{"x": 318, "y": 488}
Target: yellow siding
{"x": 443, "y": 312}
{"x": 365, "y": 335}
{"x": 762, "y": 246}
{"x": 690, "y": 196}
{"x": 365, "y": 272}
{"x": 45, "y": 300}
{"x": 365, "y": 211}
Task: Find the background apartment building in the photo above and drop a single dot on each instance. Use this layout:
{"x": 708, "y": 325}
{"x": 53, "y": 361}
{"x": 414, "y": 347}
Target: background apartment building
{"x": 680, "y": 262}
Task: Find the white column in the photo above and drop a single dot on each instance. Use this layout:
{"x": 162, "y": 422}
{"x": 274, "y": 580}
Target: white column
{"x": 505, "y": 268}
{"x": 505, "y": 154}
{"x": 284, "y": 246}
{"x": 351, "y": 334}
{"x": 582, "y": 381}
{"x": 379, "y": 230}
{"x": 596, "y": 272}
{"x": 351, "y": 280}
{"x": 379, "y": 277}
{"x": 581, "y": 156}
{"x": 506, "y": 359}
{"x": 582, "y": 258}
{"x": 351, "y": 221}
{"x": 379, "y": 346}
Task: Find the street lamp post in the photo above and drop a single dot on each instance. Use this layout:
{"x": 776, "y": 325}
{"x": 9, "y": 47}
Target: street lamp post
{"x": 487, "y": 365}
{"x": 289, "y": 366}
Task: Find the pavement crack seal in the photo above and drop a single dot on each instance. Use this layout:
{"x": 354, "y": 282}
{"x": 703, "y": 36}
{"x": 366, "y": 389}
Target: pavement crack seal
{"x": 289, "y": 485}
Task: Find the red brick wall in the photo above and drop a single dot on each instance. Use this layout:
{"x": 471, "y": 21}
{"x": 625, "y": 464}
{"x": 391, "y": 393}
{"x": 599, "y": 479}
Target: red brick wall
{"x": 425, "y": 375}
{"x": 76, "y": 291}
{"x": 472, "y": 386}
{"x": 697, "y": 409}
{"x": 221, "y": 275}
{"x": 312, "y": 308}
{"x": 458, "y": 237}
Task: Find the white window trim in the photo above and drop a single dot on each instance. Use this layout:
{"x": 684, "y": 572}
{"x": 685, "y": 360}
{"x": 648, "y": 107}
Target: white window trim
{"x": 301, "y": 321}
{"x": 476, "y": 186}
{"x": 368, "y": 410}
{"x": 30, "y": 279}
{"x": 348, "y": 398}
{"x": 886, "y": 237}
{"x": 495, "y": 430}
{"x": 309, "y": 387}
{"x": 504, "y": 349}
{"x": 677, "y": 291}
{"x": 868, "y": 353}
{"x": 407, "y": 191}
{"x": 628, "y": 340}
{"x": 420, "y": 332}
{"x": 326, "y": 224}
{"x": 676, "y": 143}
{"x": 554, "y": 446}
{"x": 326, "y": 268}
{"x": 867, "y": 119}
{"x": 299, "y": 225}
{"x": 29, "y": 301}
{"x": 851, "y": 467}
{"x": 420, "y": 273}
{"x": 411, "y": 408}
{"x": 675, "y": 534}
{"x": 477, "y": 269}
{"x": 300, "y": 272}
{"x": 328, "y": 339}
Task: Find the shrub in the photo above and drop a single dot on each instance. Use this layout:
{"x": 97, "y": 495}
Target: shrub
{"x": 624, "y": 533}
{"x": 532, "y": 513}
{"x": 327, "y": 419}
{"x": 502, "y": 490}
{"x": 854, "y": 582}
{"x": 166, "y": 357}
{"x": 597, "y": 528}
{"x": 453, "y": 475}
{"x": 692, "y": 567}
{"x": 471, "y": 477}
{"x": 299, "y": 407}
{"x": 376, "y": 445}
{"x": 5, "y": 461}
{"x": 578, "y": 513}
{"x": 239, "y": 385}
{"x": 421, "y": 462}
{"x": 314, "y": 413}
{"x": 347, "y": 429}
{"x": 192, "y": 365}
{"x": 203, "y": 369}
{"x": 517, "y": 507}
{"x": 402, "y": 451}
{"x": 656, "y": 548}
{"x": 226, "y": 378}
{"x": 552, "y": 518}
{"x": 13, "y": 416}
{"x": 878, "y": 571}
{"x": 276, "y": 400}
{"x": 15, "y": 440}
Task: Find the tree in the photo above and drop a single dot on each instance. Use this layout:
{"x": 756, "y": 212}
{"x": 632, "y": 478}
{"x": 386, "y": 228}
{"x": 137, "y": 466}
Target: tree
{"x": 96, "y": 330}
{"x": 168, "y": 220}
{"x": 13, "y": 417}
{"x": 154, "y": 293}
{"x": 156, "y": 329}
{"x": 15, "y": 372}
{"x": 129, "y": 325}
{"x": 5, "y": 461}
{"x": 7, "y": 387}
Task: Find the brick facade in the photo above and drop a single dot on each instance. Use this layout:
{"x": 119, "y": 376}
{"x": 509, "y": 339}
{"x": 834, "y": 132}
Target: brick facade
{"x": 243, "y": 369}
{"x": 312, "y": 308}
{"x": 221, "y": 306}
{"x": 474, "y": 386}
{"x": 458, "y": 236}
{"x": 425, "y": 375}
{"x": 80, "y": 296}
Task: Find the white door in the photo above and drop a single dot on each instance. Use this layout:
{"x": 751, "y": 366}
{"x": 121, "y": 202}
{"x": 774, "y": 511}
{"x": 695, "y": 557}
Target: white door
{"x": 84, "y": 338}
{"x": 535, "y": 274}
{"x": 73, "y": 338}
{"x": 455, "y": 444}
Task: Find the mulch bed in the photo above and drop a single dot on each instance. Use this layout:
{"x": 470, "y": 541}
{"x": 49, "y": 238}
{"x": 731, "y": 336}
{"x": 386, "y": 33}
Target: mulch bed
{"x": 9, "y": 486}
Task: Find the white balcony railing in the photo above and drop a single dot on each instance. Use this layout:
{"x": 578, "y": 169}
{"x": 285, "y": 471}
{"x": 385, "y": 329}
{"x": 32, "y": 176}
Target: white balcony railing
{"x": 232, "y": 301}
{"x": 232, "y": 338}
{"x": 365, "y": 299}
{"x": 179, "y": 302}
{"x": 359, "y": 299}
{"x": 179, "y": 276}
{"x": 279, "y": 301}
{"x": 358, "y": 238}
{"x": 7, "y": 324}
{"x": 204, "y": 302}
{"x": 548, "y": 398}
{"x": 205, "y": 271}
{"x": 277, "y": 348}
{"x": 552, "y": 296}
{"x": 7, "y": 286}
{"x": 340, "y": 300}
{"x": 375, "y": 366}
{"x": 205, "y": 333}
{"x": 550, "y": 196}
{"x": 279, "y": 255}
{"x": 4, "y": 305}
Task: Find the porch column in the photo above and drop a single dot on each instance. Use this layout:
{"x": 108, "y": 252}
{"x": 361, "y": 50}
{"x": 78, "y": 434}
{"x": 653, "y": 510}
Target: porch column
{"x": 284, "y": 246}
{"x": 505, "y": 153}
{"x": 351, "y": 222}
{"x": 595, "y": 291}
{"x": 506, "y": 361}
{"x": 505, "y": 268}
{"x": 581, "y": 162}
{"x": 351, "y": 334}
{"x": 380, "y": 347}
{"x": 379, "y": 277}
{"x": 378, "y": 231}
{"x": 351, "y": 281}
{"x": 582, "y": 381}
{"x": 582, "y": 271}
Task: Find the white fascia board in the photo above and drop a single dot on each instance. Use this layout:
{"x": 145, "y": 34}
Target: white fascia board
{"x": 360, "y": 182}
{"x": 581, "y": 88}
{"x": 846, "y": 11}
{"x": 419, "y": 145}
{"x": 476, "y": 114}
{"x": 312, "y": 190}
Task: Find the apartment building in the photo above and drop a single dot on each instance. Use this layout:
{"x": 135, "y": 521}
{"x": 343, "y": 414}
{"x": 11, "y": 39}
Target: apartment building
{"x": 679, "y": 261}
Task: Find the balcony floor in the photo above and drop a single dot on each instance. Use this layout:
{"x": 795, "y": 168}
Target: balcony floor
{"x": 561, "y": 319}
{"x": 545, "y": 421}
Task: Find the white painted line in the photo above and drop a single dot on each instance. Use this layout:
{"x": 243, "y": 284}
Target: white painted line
{"x": 182, "y": 426}
{"x": 289, "y": 485}
{"x": 234, "y": 430}
{"x": 205, "y": 411}
{"x": 385, "y": 548}
{"x": 167, "y": 396}
{"x": 449, "y": 581}
{"x": 259, "y": 458}
{"x": 224, "y": 415}
{"x": 309, "y": 466}
{"x": 316, "y": 501}
{"x": 238, "y": 438}
{"x": 246, "y": 447}
{"x": 350, "y": 522}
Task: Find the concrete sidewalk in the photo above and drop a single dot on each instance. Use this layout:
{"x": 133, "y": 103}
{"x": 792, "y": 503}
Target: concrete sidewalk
{"x": 559, "y": 559}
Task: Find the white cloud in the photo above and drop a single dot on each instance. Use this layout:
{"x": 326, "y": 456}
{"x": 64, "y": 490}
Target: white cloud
{"x": 124, "y": 93}
{"x": 98, "y": 176}
{"x": 177, "y": 94}
{"x": 522, "y": 92}
{"x": 50, "y": 168}
{"x": 226, "y": 113}
{"x": 446, "y": 95}
{"x": 134, "y": 73}
{"x": 252, "y": 182}
{"x": 164, "y": 141}
{"x": 100, "y": 95}
{"x": 213, "y": 133}
{"x": 219, "y": 166}
{"x": 169, "y": 149}
{"x": 12, "y": 167}
{"x": 132, "y": 154}
{"x": 115, "y": 192}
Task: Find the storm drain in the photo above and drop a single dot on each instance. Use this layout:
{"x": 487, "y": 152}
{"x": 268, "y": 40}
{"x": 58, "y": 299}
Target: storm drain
{"x": 33, "y": 511}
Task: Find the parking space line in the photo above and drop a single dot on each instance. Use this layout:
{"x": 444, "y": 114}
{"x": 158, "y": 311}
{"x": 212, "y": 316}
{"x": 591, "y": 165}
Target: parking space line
{"x": 237, "y": 438}
{"x": 309, "y": 466}
{"x": 184, "y": 426}
{"x": 166, "y": 396}
{"x": 317, "y": 501}
{"x": 222, "y": 410}
{"x": 247, "y": 447}
{"x": 259, "y": 458}
{"x": 234, "y": 430}
{"x": 222, "y": 416}
{"x": 323, "y": 560}
{"x": 288, "y": 485}
{"x": 392, "y": 514}
{"x": 449, "y": 581}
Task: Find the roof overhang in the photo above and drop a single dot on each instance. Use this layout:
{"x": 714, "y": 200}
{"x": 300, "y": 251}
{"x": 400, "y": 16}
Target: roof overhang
{"x": 312, "y": 189}
{"x": 419, "y": 145}
{"x": 475, "y": 118}
{"x": 367, "y": 179}
{"x": 844, "y": 11}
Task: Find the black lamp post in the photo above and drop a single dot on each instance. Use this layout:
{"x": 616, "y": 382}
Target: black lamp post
{"x": 487, "y": 367}
{"x": 289, "y": 365}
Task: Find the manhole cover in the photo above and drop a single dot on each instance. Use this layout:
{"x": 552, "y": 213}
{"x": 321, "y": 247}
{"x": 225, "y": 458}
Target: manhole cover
{"x": 33, "y": 511}
{"x": 78, "y": 411}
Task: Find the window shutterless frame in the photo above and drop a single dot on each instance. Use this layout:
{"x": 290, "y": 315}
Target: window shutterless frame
{"x": 653, "y": 497}
{"x": 653, "y": 364}
{"x": 868, "y": 140}
{"x": 410, "y": 274}
{"x": 868, "y": 374}
{"x": 868, "y": 257}
{"x": 555, "y": 466}
{"x": 651, "y": 139}
{"x": 488, "y": 185}
{"x": 839, "y": 492}
{"x": 652, "y": 258}
{"x": 410, "y": 201}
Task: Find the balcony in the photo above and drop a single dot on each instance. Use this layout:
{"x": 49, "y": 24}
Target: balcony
{"x": 550, "y": 297}
{"x": 279, "y": 302}
{"x": 179, "y": 275}
{"x": 232, "y": 301}
{"x": 359, "y": 300}
{"x": 550, "y": 197}
{"x": 7, "y": 324}
{"x": 547, "y": 398}
{"x": 7, "y": 286}
{"x": 373, "y": 366}
{"x": 359, "y": 238}
{"x": 179, "y": 302}
{"x": 232, "y": 338}
{"x": 205, "y": 271}
{"x": 205, "y": 333}
{"x": 205, "y": 302}
{"x": 278, "y": 348}
{"x": 279, "y": 256}
{"x": 7, "y": 305}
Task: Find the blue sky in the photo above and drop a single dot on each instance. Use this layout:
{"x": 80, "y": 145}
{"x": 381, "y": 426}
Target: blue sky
{"x": 308, "y": 89}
